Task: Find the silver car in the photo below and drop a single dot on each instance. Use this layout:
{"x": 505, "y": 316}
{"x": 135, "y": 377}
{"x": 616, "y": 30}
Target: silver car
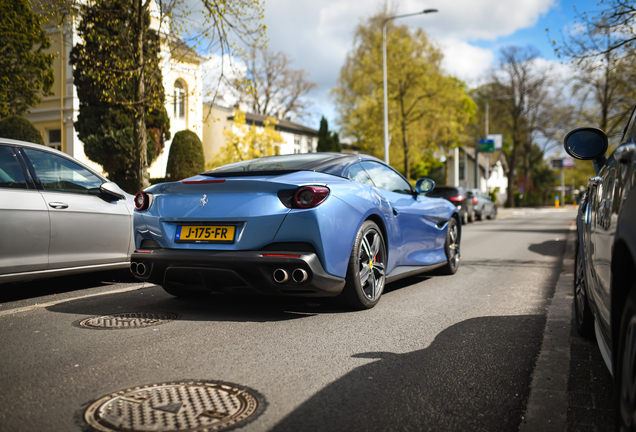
{"x": 483, "y": 204}
{"x": 58, "y": 216}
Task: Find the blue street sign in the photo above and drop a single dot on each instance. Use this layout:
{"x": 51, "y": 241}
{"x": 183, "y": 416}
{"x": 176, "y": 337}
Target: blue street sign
{"x": 486, "y": 145}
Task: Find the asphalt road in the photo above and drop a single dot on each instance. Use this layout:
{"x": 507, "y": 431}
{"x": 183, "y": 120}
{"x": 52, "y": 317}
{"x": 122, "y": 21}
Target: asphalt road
{"x": 437, "y": 353}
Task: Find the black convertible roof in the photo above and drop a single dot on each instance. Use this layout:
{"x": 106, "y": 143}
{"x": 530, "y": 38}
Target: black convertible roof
{"x": 328, "y": 163}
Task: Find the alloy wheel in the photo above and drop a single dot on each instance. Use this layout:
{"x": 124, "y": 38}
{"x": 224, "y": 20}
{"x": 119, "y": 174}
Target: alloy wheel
{"x": 453, "y": 247}
{"x": 579, "y": 293}
{"x": 372, "y": 262}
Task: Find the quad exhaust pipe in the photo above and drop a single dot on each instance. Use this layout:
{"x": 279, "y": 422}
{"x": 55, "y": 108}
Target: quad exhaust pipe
{"x": 299, "y": 275}
{"x": 138, "y": 269}
{"x": 281, "y": 276}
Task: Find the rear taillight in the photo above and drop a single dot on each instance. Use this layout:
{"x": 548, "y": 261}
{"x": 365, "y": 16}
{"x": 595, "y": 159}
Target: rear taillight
{"x": 474, "y": 200}
{"x": 456, "y": 198}
{"x": 143, "y": 201}
{"x": 310, "y": 196}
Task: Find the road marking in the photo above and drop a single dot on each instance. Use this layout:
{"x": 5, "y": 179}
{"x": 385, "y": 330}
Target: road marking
{"x": 53, "y": 303}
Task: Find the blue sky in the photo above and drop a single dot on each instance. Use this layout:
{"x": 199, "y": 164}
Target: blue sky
{"x": 318, "y": 34}
{"x": 560, "y": 15}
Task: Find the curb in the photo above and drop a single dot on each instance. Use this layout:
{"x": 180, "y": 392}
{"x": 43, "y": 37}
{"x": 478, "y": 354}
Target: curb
{"x": 548, "y": 402}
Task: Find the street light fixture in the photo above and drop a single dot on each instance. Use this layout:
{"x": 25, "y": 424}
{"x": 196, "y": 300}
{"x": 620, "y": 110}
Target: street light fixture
{"x": 386, "y": 107}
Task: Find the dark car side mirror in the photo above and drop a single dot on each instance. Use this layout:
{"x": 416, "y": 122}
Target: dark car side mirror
{"x": 587, "y": 143}
{"x": 424, "y": 185}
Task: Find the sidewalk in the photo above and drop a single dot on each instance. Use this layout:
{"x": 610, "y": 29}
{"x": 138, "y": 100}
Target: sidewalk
{"x": 507, "y": 213}
{"x": 571, "y": 388}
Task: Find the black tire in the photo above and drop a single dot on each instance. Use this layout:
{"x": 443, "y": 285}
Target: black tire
{"x": 480, "y": 215}
{"x": 582, "y": 312}
{"x": 625, "y": 368}
{"x": 493, "y": 213}
{"x": 185, "y": 293}
{"x": 366, "y": 272}
{"x": 452, "y": 250}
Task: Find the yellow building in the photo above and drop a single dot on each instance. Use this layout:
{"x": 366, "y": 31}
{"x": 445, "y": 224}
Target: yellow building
{"x": 182, "y": 79}
{"x": 296, "y": 137}
{"x": 55, "y": 115}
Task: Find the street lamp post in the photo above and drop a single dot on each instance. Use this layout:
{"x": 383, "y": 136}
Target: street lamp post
{"x": 386, "y": 107}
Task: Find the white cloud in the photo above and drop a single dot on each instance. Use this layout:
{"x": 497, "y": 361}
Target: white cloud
{"x": 317, "y": 35}
{"x": 464, "y": 61}
{"x": 481, "y": 19}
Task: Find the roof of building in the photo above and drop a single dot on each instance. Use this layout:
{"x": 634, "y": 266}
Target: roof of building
{"x": 493, "y": 157}
{"x": 283, "y": 125}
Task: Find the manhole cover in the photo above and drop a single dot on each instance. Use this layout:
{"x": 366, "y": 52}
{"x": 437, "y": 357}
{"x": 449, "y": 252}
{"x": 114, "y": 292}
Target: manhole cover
{"x": 127, "y": 320}
{"x": 174, "y": 406}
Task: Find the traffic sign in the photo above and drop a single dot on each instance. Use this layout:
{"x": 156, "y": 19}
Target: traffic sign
{"x": 562, "y": 163}
{"x": 498, "y": 139}
{"x": 486, "y": 145}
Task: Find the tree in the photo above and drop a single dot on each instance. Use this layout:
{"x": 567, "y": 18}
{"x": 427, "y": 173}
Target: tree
{"x": 271, "y": 87}
{"x": 603, "y": 56}
{"x": 248, "y": 142}
{"x": 107, "y": 72}
{"x": 594, "y": 35}
{"x": 19, "y": 128}
{"x": 520, "y": 85}
{"x": 186, "y": 157}
{"x": 25, "y": 69}
{"x": 539, "y": 178}
{"x": 216, "y": 29}
{"x": 327, "y": 141}
{"x": 428, "y": 110}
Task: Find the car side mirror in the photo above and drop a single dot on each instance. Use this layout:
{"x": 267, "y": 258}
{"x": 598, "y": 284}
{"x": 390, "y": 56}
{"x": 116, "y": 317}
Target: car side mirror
{"x": 587, "y": 143}
{"x": 111, "y": 189}
{"x": 424, "y": 185}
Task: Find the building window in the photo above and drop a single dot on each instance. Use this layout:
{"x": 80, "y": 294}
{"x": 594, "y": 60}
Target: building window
{"x": 462, "y": 171}
{"x": 297, "y": 144}
{"x": 179, "y": 99}
{"x": 54, "y": 139}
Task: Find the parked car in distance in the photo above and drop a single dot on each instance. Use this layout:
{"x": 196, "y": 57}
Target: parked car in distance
{"x": 58, "y": 216}
{"x": 605, "y": 259}
{"x": 313, "y": 225}
{"x": 484, "y": 205}
{"x": 459, "y": 197}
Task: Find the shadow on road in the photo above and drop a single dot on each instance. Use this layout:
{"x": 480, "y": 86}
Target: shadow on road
{"x": 216, "y": 306}
{"x": 549, "y": 248}
{"x": 57, "y": 285}
{"x": 474, "y": 376}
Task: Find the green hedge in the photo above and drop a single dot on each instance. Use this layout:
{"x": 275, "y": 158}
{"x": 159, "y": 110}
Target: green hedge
{"x": 19, "y": 128}
{"x": 186, "y": 157}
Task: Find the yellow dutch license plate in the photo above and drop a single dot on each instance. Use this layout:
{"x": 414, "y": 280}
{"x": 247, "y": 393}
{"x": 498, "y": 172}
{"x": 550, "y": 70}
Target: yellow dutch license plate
{"x": 205, "y": 233}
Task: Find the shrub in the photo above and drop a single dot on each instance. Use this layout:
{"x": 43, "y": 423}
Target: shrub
{"x": 186, "y": 157}
{"x": 19, "y": 128}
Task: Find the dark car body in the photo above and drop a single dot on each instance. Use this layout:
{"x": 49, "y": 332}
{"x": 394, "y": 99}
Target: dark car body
{"x": 605, "y": 260}
{"x": 460, "y": 197}
{"x": 484, "y": 205}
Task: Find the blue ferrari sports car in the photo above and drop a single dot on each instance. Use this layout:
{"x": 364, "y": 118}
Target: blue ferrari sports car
{"x": 317, "y": 224}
